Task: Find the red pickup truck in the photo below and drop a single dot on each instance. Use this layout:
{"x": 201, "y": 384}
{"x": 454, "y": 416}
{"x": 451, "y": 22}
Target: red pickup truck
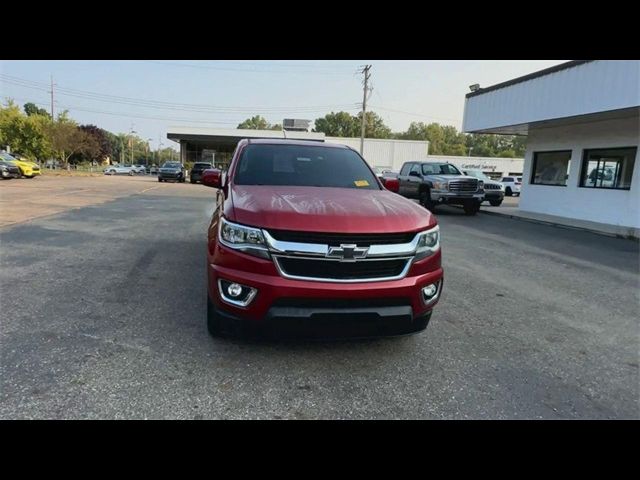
{"x": 305, "y": 236}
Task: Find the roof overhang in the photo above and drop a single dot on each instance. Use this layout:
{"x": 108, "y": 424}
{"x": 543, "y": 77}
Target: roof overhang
{"x": 573, "y": 92}
{"x": 225, "y": 138}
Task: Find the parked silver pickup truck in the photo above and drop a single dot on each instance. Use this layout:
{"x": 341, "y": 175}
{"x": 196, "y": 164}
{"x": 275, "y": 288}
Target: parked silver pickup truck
{"x": 435, "y": 183}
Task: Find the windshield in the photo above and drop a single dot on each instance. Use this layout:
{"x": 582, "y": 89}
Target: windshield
{"x": 300, "y": 165}
{"x": 171, "y": 165}
{"x": 439, "y": 169}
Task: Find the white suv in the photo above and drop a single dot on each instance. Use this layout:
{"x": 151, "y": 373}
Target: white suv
{"x": 511, "y": 185}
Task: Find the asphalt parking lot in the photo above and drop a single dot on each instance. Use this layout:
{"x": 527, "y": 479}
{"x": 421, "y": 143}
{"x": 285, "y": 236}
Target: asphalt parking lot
{"x": 103, "y": 316}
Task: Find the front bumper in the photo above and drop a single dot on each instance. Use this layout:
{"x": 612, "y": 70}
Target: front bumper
{"x": 384, "y": 306}
{"x": 169, "y": 176}
{"x": 493, "y": 195}
{"x": 10, "y": 174}
{"x": 455, "y": 197}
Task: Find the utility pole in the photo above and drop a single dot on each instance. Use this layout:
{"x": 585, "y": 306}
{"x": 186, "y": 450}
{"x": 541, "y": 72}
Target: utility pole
{"x": 52, "y": 98}
{"x": 367, "y": 75}
{"x": 131, "y": 142}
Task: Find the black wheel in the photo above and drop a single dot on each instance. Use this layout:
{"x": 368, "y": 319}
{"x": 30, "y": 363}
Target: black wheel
{"x": 159, "y": 179}
{"x": 214, "y": 325}
{"x": 192, "y": 181}
{"x": 425, "y": 200}
{"x": 131, "y": 173}
{"x": 495, "y": 203}
{"x": 471, "y": 208}
{"x": 508, "y": 192}
{"x": 517, "y": 194}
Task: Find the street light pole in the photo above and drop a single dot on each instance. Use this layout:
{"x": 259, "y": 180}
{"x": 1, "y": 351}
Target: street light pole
{"x": 131, "y": 140}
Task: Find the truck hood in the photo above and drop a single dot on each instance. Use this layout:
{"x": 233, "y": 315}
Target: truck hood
{"x": 327, "y": 209}
{"x": 446, "y": 178}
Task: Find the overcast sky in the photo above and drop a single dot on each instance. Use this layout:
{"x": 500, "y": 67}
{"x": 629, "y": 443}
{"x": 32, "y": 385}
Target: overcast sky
{"x": 149, "y": 95}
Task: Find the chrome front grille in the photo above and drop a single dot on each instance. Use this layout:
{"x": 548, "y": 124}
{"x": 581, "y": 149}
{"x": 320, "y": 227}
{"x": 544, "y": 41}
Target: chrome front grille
{"x": 337, "y": 271}
{"x": 381, "y": 260}
{"x": 463, "y": 186}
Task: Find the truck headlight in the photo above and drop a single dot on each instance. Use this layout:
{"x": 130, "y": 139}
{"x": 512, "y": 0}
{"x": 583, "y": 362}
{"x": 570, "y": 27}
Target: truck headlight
{"x": 240, "y": 237}
{"x": 428, "y": 242}
{"x": 440, "y": 186}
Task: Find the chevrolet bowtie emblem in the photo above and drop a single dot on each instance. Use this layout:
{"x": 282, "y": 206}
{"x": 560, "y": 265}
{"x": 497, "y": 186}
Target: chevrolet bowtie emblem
{"x": 347, "y": 253}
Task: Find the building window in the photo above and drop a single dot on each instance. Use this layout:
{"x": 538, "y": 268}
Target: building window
{"x": 551, "y": 168}
{"x": 610, "y": 168}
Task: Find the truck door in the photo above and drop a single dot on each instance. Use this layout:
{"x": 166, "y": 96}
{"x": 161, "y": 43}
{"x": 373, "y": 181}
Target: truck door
{"x": 415, "y": 180}
{"x": 403, "y": 179}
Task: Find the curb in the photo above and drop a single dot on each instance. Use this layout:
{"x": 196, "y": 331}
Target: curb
{"x": 561, "y": 225}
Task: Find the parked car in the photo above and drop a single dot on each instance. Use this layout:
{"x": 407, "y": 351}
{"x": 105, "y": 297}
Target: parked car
{"x": 388, "y": 178}
{"x": 172, "y": 171}
{"x": 8, "y": 170}
{"x": 27, "y": 168}
{"x": 304, "y": 235}
{"x": 153, "y": 169}
{"x": 436, "y": 183}
{"x": 140, "y": 169}
{"x": 196, "y": 171}
{"x": 120, "y": 170}
{"x": 511, "y": 185}
{"x": 493, "y": 191}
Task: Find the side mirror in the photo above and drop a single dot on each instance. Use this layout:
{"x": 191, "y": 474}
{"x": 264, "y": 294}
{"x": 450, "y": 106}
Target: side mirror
{"x": 212, "y": 177}
{"x": 391, "y": 184}
{"x": 413, "y": 173}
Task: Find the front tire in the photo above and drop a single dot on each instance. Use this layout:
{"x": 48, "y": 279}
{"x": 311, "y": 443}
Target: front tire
{"x": 508, "y": 192}
{"x": 426, "y": 202}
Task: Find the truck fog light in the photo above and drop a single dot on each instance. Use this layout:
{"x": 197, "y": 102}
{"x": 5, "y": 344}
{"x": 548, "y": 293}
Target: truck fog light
{"x": 430, "y": 293}
{"x": 234, "y": 290}
{"x": 235, "y": 293}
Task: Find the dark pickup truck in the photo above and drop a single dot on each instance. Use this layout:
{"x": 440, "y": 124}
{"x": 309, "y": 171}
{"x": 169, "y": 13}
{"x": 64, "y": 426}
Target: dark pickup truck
{"x": 435, "y": 183}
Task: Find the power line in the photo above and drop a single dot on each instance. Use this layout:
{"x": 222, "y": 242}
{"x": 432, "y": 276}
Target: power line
{"x": 322, "y": 70}
{"x": 157, "y": 104}
{"x": 187, "y": 120}
{"x": 412, "y": 113}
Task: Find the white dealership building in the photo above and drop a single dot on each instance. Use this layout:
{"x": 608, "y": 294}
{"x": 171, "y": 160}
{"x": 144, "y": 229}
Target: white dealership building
{"x": 216, "y": 144}
{"x": 582, "y": 121}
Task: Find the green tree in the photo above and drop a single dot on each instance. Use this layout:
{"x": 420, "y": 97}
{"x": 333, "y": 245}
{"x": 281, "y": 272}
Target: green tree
{"x": 31, "y": 109}
{"x": 68, "y": 140}
{"x": 337, "y": 124}
{"x": 258, "y": 123}
{"x": 24, "y": 134}
{"x": 374, "y": 126}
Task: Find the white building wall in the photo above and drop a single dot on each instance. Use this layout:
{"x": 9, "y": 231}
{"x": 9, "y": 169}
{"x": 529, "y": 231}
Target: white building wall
{"x": 386, "y": 153}
{"x": 504, "y": 166}
{"x": 614, "y": 207}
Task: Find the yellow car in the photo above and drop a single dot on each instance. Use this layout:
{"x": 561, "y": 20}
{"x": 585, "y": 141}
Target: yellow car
{"x": 27, "y": 169}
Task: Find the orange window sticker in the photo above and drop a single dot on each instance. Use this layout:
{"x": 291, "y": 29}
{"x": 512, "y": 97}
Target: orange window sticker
{"x": 361, "y": 183}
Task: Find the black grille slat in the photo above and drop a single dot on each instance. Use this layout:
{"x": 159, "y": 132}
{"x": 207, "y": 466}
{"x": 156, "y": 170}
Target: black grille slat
{"x": 463, "y": 185}
{"x": 335, "y": 239}
{"x": 302, "y": 267}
